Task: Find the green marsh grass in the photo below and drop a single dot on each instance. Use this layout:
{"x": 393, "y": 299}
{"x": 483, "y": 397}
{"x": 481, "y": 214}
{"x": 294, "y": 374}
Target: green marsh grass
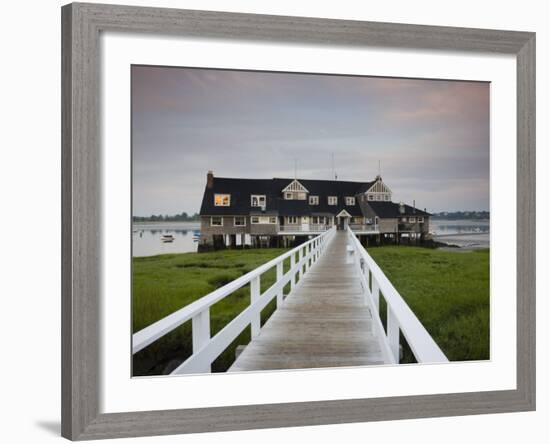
{"x": 163, "y": 284}
{"x": 449, "y": 293}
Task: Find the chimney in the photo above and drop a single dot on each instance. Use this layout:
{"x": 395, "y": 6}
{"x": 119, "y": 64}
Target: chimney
{"x": 209, "y": 179}
{"x": 414, "y": 206}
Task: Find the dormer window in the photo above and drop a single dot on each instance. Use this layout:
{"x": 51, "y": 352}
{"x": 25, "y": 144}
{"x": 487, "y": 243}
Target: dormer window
{"x": 333, "y": 200}
{"x": 257, "y": 200}
{"x": 314, "y": 200}
{"x": 295, "y": 191}
{"x": 371, "y": 197}
{"x": 350, "y": 200}
{"x": 222, "y": 200}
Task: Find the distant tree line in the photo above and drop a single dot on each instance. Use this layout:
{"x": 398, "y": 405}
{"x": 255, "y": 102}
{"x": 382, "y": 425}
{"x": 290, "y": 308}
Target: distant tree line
{"x": 183, "y": 217}
{"x": 454, "y": 215}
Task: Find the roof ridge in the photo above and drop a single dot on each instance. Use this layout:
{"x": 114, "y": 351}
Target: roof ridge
{"x": 298, "y": 179}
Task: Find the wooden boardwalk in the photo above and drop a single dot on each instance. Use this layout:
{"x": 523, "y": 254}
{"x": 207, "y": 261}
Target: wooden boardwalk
{"x": 324, "y": 322}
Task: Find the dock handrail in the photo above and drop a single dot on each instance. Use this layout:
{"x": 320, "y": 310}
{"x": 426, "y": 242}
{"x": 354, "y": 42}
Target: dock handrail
{"x": 206, "y": 348}
{"x": 400, "y": 317}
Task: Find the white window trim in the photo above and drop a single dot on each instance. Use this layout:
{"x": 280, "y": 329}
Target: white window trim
{"x": 420, "y": 219}
{"x": 216, "y": 225}
{"x": 258, "y": 196}
{"x": 350, "y": 199}
{"x": 289, "y": 194}
{"x": 263, "y": 223}
{"x": 239, "y": 217}
{"x": 292, "y": 223}
{"x": 314, "y": 200}
{"x": 412, "y": 220}
{"x": 222, "y": 194}
{"x": 333, "y": 199}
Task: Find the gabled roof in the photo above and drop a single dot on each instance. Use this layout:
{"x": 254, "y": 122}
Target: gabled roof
{"x": 295, "y": 185}
{"x": 378, "y": 186}
{"x": 241, "y": 189}
{"x": 343, "y": 213}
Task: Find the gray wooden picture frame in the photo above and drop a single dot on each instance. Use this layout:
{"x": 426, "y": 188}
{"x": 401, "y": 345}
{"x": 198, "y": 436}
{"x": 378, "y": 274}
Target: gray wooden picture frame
{"x": 81, "y": 172}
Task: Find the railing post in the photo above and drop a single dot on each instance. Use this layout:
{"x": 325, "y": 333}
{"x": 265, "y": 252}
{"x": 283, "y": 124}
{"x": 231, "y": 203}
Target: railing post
{"x": 279, "y": 277}
{"x": 292, "y": 265}
{"x": 317, "y": 248}
{"x": 306, "y": 254}
{"x": 375, "y": 293}
{"x": 300, "y": 257}
{"x": 393, "y": 334}
{"x": 254, "y": 296}
{"x": 201, "y": 334}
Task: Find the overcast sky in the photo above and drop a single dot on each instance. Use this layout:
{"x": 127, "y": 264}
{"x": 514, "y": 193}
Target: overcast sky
{"x": 431, "y": 137}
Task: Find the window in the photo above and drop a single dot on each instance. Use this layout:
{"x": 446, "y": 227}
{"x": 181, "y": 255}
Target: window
{"x": 314, "y": 200}
{"x": 420, "y": 219}
{"x": 350, "y": 200}
{"x": 371, "y": 197}
{"x": 386, "y": 197}
{"x": 263, "y": 219}
{"x": 291, "y": 220}
{"x": 403, "y": 219}
{"x": 356, "y": 220}
{"x": 412, "y": 220}
{"x": 222, "y": 200}
{"x": 257, "y": 200}
{"x": 216, "y": 221}
{"x": 314, "y": 219}
{"x": 378, "y": 197}
{"x": 295, "y": 195}
{"x": 239, "y": 221}
{"x": 332, "y": 200}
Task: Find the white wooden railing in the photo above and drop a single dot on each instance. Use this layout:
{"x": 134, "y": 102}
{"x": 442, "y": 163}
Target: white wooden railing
{"x": 306, "y": 228}
{"x": 205, "y": 348}
{"x": 400, "y": 318}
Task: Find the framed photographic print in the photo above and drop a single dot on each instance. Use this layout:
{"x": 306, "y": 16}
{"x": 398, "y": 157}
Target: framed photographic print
{"x": 280, "y": 221}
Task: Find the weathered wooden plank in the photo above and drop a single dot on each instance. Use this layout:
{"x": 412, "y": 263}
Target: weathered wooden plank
{"x": 324, "y": 322}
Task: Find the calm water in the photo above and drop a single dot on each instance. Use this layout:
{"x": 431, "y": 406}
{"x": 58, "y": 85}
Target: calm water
{"x": 464, "y": 233}
{"x": 146, "y": 238}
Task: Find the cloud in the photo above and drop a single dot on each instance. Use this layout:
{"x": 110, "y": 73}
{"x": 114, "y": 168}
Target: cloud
{"x": 428, "y": 134}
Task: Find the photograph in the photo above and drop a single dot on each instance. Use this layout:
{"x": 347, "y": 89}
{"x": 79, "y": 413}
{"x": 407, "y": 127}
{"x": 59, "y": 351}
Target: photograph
{"x": 299, "y": 221}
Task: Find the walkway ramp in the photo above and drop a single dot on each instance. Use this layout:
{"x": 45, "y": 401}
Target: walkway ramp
{"x": 324, "y": 322}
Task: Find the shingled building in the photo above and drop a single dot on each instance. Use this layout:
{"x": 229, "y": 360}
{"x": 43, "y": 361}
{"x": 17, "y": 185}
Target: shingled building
{"x": 276, "y": 212}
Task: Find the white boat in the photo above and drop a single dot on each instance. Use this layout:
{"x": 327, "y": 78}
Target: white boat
{"x": 167, "y": 238}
